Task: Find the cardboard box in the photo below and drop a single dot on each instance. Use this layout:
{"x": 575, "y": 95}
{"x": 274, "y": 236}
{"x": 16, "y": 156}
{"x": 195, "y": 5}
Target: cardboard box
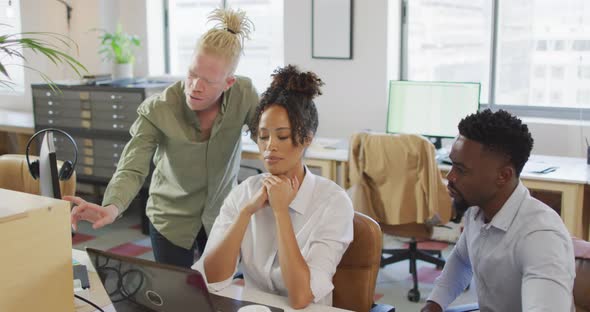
{"x": 36, "y": 248}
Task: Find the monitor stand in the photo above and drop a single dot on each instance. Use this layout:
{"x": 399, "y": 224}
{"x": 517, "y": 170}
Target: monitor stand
{"x": 437, "y": 141}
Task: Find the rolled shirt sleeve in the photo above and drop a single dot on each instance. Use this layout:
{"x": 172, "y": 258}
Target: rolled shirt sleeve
{"x": 329, "y": 243}
{"x": 227, "y": 216}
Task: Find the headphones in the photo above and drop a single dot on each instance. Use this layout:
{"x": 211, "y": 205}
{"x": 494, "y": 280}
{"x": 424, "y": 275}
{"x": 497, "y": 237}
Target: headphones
{"x": 67, "y": 168}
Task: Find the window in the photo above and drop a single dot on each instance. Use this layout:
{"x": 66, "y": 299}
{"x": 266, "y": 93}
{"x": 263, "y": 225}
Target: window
{"x": 262, "y": 54}
{"x": 513, "y": 48}
{"x": 449, "y": 41}
{"x": 540, "y": 71}
{"x": 10, "y": 24}
{"x": 559, "y": 45}
{"x": 584, "y": 72}
{"x": 556, "y": 98}
{"x": 557, "y": 72}
{"x": 539, "y": 97}
{"x": 583, "y": 97}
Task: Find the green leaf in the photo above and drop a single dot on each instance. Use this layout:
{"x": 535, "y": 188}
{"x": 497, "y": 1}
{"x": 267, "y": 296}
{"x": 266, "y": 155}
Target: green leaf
{"x": 117, "y": 46}
{"x": 50, "y": 45}
{"x": 4, "y": 72}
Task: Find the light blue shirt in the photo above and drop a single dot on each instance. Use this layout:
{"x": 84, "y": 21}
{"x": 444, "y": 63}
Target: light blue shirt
{"x": 523, "y": 260}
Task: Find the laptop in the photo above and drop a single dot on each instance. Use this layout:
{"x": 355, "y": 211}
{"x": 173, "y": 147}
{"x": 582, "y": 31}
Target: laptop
{"x": 135, "y": 285}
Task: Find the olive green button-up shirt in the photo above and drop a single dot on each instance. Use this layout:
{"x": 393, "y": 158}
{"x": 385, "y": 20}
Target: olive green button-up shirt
{"x": 192, "y": 177}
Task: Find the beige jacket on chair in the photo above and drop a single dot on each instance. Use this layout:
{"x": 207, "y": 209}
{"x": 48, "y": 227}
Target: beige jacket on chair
{"x": 395, "y": 179}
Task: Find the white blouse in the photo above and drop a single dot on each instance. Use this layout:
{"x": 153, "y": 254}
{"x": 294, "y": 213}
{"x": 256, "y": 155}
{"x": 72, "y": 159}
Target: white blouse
{"x": 322, "y": 218}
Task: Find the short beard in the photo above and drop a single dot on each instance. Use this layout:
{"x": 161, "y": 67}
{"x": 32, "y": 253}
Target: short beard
{"x": 460, "y": 207}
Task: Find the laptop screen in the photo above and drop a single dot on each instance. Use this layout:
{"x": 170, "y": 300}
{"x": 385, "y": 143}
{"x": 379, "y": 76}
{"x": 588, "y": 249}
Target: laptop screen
{"x": 140, "y": 285}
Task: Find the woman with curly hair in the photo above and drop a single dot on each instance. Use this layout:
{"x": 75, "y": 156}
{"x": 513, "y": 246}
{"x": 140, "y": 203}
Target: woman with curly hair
{"x": 289, "y": 228}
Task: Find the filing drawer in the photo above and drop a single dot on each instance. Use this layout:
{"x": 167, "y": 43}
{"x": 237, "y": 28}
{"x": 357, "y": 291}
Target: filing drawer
{"x": 92, "y": 147}
{"x": 111, "y": 125}
{"x": 65, "y": 94}
{"x": 107, "y": 154}
{"x": 41, "y": 103}
{"x": 114, "y": 116}
{"x": 53, "y": 121}
{"x": 114, "y": 107}
{"x": 57, "y": 113}
{"x": 106, "y": 162}
{"x": 96, "y": 171}
{"x": 116, "y": 97}
{"x": 109, "y": 145}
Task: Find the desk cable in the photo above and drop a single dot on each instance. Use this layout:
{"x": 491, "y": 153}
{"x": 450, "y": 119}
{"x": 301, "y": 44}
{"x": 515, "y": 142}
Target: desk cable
{"x": 89, "y": 302}
{"x": 120, "y": 289}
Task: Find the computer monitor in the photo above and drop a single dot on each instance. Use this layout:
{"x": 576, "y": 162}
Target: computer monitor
{"x": 48, "y": 176}
{"x": 432, "y": 109}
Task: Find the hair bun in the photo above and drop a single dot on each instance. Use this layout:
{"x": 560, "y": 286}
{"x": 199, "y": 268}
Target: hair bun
{"x": 290, "y": 79}
{"x": 234, "y": 21}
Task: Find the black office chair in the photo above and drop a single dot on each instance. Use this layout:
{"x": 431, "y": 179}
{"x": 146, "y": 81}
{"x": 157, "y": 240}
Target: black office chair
{"x": 247, "y": 171}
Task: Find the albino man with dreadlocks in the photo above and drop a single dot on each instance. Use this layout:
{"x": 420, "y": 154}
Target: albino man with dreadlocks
{"x": 193, "y": 130}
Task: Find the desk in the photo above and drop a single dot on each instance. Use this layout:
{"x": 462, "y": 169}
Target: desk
{"x": 15, "y": 123}
{"x": 333, "y": 163}
{"x": 570, "y": 179}
{"x": 248, "y": 294}
{"x": 98, "y": 294}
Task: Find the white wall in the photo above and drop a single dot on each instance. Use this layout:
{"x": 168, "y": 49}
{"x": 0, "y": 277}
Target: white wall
{"x": 50, "y": 16}
{"x": 355, "y": 93}
{"x": 559, "y": 137}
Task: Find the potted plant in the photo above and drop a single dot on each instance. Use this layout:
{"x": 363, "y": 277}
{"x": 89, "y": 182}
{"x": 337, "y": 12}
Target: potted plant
{"x": 50, "y": 45}
{"x": 117, "y": 47}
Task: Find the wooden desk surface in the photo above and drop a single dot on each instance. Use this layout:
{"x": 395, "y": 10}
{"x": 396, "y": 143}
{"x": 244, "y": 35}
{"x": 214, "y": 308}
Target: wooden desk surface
{"x": 97, "y": 293}
{"x": 248, "y": 294}
{"x": 99, "y": 296}
{"x": 315, "y": 151}
{"x": 569, "y": 169}
{"x": 16, "y": 122}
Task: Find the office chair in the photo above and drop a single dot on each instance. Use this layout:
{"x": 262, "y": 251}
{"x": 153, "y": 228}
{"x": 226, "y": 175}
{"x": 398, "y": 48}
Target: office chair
{"x": 15, "y": 176}
{"x": 395, "y": 180}
{"x": 356, "y": 274}
{"x": 246, "y": 171}
{"x": 581, "y": 282}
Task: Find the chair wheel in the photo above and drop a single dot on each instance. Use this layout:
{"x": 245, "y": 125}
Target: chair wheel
{"x": 414, "y": 295}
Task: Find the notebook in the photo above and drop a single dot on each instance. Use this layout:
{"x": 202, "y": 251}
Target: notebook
{"x": 135, "y": 285}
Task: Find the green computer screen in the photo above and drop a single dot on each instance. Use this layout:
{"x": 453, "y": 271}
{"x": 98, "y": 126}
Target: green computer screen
{"x": 430, "y": 108}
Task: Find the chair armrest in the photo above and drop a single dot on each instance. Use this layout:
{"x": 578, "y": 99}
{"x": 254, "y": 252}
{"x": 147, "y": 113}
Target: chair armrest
{"x": 381, "y": 307}
{"x": 464, "y": 308}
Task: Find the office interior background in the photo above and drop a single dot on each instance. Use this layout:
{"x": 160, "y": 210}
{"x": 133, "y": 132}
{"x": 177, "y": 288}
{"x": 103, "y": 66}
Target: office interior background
{"x": 531, "y": 56}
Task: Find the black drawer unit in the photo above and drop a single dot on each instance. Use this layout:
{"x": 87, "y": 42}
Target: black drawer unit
{"x": 98, "y": 118}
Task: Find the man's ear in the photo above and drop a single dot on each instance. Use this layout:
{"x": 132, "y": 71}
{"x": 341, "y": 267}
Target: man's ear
{"x": 229, "y": 81}
{"x": 505, "y": 174}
